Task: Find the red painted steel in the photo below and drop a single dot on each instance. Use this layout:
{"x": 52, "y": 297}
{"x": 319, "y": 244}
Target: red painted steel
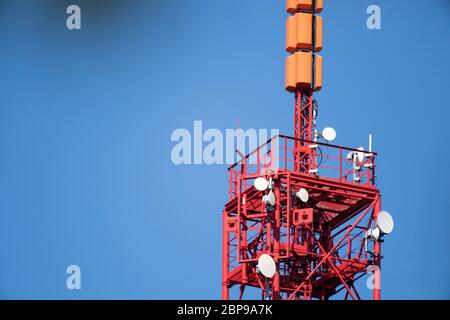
{"x": 319, "y": 246}
{"x": 311, "y": 261}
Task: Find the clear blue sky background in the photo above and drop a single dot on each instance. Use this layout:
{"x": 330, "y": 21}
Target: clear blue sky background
{"x": 86, "y": 117}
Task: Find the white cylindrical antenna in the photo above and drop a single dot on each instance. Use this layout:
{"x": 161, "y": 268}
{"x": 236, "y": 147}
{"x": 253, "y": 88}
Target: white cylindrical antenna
{"x": 370, "y": 142}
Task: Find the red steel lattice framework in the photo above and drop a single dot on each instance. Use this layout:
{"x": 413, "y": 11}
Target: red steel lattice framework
{"x": 318, "y": 246}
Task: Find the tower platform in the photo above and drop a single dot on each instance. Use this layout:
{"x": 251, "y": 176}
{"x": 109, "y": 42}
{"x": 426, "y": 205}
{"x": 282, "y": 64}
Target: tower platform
{"x": 318, "y": 245}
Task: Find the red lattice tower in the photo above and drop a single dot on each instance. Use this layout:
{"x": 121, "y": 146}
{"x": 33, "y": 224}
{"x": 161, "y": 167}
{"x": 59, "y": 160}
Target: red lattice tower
{"x": 318, "y": 246}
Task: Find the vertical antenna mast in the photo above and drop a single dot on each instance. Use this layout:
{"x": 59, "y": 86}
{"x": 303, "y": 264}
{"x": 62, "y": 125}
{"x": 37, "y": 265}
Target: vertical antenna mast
{"x": 304, "y": 75}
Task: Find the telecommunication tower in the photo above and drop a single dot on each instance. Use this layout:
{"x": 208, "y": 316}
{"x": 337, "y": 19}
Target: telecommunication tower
{"x": 304, "y": 218}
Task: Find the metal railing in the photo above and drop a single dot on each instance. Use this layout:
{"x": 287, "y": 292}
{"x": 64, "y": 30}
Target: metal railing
{"x": 346, "y": 165}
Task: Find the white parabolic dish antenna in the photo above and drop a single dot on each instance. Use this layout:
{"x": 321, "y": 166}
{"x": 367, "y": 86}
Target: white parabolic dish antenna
{"x": 375, "y": 234}
{"x": 261, "y": 184}
{"x": 269, "y": 199}
{"x": 303, "y": 195}
{"x": 266, "y": 266}
{"x": 385, "y": 222}
{"x": 329, "y": 134}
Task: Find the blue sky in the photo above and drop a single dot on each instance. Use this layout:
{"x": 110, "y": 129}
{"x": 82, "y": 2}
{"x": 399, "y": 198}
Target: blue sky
{"x": 86, "y": 118}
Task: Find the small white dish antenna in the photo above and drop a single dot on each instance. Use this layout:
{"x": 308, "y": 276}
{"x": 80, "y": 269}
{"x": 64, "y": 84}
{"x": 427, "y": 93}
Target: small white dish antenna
{"x": 266, "y": 266}
{"x": 303, "y": 195}
{"x": 261, "y": 184}
{"x": 329, "y": 134}
{"x": 374, "y": 234}
{"x": 385, "y": 222}
{"x": 269, "y": 199}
